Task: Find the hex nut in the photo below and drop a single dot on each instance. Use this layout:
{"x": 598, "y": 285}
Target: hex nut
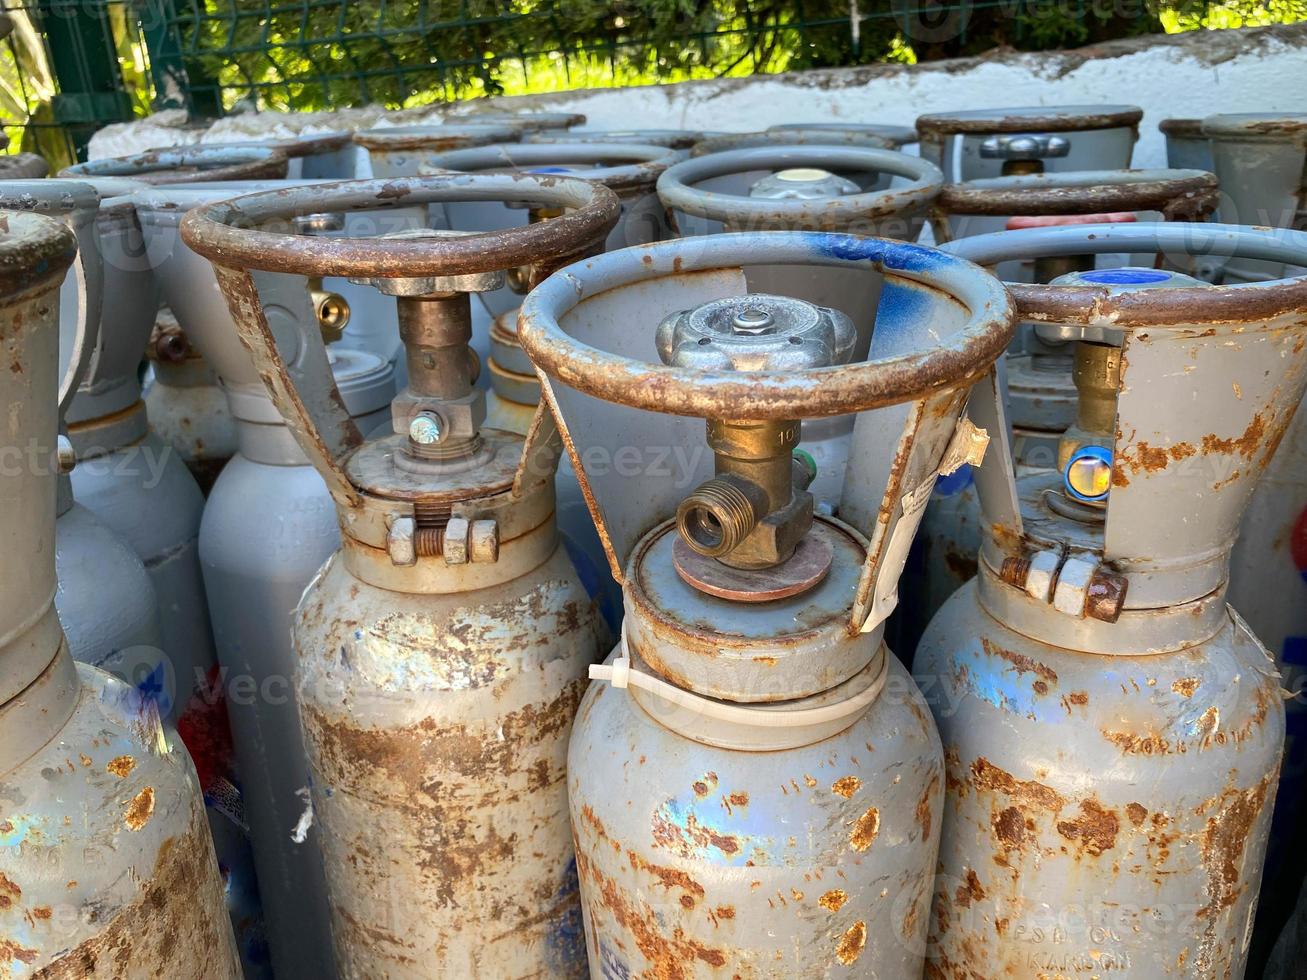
{"x": 457, "y": 533}
{"x": 483, "y": 541}
{"x": 400, "y": 541}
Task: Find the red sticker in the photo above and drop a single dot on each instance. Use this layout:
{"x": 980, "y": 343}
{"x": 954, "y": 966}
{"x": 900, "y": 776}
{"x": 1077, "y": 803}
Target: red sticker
{"x": 1298, "y": 542}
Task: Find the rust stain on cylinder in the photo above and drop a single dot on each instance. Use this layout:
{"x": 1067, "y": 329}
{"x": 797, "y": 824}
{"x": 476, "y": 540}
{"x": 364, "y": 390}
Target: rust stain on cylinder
{"x": 865, "y": 829}
{"x": 1094, "y": 831}
{"x": 120, "y": 766}
{"x": 852, "y": 943}
{"x": 140, "y": 809}
{"x": 833, "y": 900}
{"x": 846, "y": 786}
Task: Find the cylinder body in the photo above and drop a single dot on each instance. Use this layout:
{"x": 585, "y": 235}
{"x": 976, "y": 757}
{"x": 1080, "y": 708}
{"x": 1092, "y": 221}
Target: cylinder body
{"x": 188, "y": 411}
{"x": 1102, "y": 812}
{"x": 436, "y": 728}
{"x": 701, "y": 861}
{"x": 144, "y": 492}
{"x": 106, "y": 867}
{"x": 107, "y": 605}
{"x": 266, "y": 530}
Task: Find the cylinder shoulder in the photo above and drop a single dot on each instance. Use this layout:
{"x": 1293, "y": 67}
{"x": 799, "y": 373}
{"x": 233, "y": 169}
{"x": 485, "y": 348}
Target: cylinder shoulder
{"x": 391, "y": 652}
{"x": 1216, "y": 700}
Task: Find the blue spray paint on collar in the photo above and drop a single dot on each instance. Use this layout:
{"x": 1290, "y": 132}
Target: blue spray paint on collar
{"x": 894, "y": 255}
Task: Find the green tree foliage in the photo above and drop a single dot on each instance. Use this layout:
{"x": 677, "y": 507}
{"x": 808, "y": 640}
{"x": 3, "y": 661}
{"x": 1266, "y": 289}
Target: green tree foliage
{"x": 304, "y": 54}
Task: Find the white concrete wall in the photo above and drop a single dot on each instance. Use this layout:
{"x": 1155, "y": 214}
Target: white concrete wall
{"x": 1254, "y": 70}
{"x": 1249, "y": 70}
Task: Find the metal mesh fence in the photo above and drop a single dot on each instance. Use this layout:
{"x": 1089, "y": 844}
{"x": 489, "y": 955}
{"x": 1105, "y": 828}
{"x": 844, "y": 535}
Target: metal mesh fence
{"x": 69, "y": 66}
{"x": 310, "y": 53}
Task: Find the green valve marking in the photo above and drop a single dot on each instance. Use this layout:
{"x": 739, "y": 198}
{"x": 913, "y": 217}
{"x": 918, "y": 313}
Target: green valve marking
{"x": 805, "y": 457}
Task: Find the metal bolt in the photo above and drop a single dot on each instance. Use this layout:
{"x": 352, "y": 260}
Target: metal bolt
{"x": 752, "y": 320}
{"x": 65, "y": 458}
{"x": 1105, "y": 595}
{"x": 426, "y": 429}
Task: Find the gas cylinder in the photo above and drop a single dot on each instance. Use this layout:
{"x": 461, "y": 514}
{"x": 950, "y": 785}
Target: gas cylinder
{"x": 268, "y": 526}
{"x": 111, "y": 621}
{"x": 811, "y": 188}
{"x": 323, "y": 156}
{"x": 187, "y": 164}
{"x": 185, "y": 408}
{"x": 185, "y": 404}
{"x": 981, "y": 143}
{"x": 631, "y": 170}
{"x": 1112, "y": 728}
{"x": 347, "y": 315}
{"x": 1037, "y": 382}
{"x": 442, "y": 651}
{"x": 400, "y": 151}
{"x": 760, "y": 793}
{"x": 791, "y": 137}
{"x": 895, "y": 137}
{"x": 1260, "y": 160}
{"x": 1186, "y": 146}
{"x": 125, "y": 474}
{"x": 108, "y": 867}
{"x": 978, "y": 143}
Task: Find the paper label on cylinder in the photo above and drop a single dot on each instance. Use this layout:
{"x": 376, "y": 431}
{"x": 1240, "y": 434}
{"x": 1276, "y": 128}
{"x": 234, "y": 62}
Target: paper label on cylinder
{"x": 896, "y": 554}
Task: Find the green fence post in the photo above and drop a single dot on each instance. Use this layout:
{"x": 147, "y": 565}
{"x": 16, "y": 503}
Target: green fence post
{"x": 85, "y": 63}
{"x": 179, "y": 82}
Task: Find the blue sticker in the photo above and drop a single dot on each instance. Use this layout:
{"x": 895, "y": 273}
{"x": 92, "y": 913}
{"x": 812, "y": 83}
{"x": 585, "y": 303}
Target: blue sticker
{"x": 1125, "y": 277}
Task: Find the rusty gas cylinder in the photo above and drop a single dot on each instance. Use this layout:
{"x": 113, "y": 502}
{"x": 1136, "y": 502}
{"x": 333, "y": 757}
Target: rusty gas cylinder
{"x": 813, "y": 187}
{"x": 754, "y": 785}
{"x": 442, "y": 650}
{"x": 1112, "y": 728}
{"x": 631, "y": 170}
{"x": 1040, "y": 394}
{"x": 107, "y": 866}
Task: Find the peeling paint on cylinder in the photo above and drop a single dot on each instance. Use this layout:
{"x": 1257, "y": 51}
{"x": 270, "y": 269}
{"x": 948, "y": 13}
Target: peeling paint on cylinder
{"x": 704, "y": 862}
{"x": 436, "y": 728}
{"x": 1127, "y": 844}
{"x": 107, "y": 868}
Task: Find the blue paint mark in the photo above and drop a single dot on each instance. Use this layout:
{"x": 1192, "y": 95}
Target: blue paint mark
{"x": 550, "y": 170}
{"x": 1124, "y": 277}
{"x": 1295, "y": 650}
{"x": 955, "y": 482}
{"x": 903, "y": 316}
{"x": 611, "y": 964}
{"x": 595, "y": 582}
{"x": 565, "y": 939}
{"x": 153, "y": 687}
{"x": 894, "y": 255}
